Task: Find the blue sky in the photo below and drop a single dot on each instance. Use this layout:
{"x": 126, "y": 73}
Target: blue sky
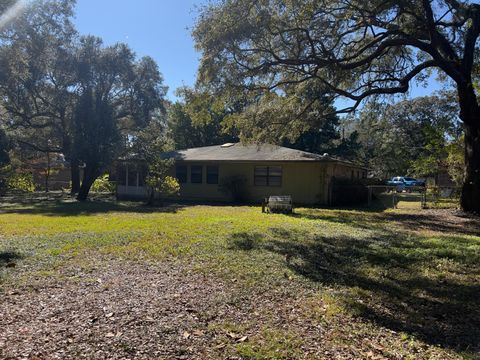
{"x": 160, "y": 29}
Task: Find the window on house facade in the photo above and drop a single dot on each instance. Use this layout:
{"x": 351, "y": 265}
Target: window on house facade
{"x": 268, "y": 176}
{"x": 181, "y": 173}
{"x": 212, "y": 174}
{"x": 196, "y": 174}
{"x": 274, "y": 176}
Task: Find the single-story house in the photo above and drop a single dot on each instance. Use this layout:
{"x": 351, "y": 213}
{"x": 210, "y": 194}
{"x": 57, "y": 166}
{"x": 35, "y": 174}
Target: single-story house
{"x": 207, "y": 174}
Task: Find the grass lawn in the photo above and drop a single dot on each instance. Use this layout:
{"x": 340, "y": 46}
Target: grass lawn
{"x": 105, "y": 279}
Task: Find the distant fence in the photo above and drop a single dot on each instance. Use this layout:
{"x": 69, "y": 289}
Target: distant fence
{"x": 413, "y": 197}
{"x": 441, "y": 197}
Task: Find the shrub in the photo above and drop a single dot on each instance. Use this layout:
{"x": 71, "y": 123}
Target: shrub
{"x": 103, "y": 184}
{"x": 20, "y": 182}
{"x": 166, "y": 186}
{"x": 159, "y": 182}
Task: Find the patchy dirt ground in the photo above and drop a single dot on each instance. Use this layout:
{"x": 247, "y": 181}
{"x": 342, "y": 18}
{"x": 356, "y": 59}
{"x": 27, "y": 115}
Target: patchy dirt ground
{"x": 169, "y": 311}
{"x": 212, "y": 282}
{"x": 125, "y": 310}
{"x": 447, "y": 221}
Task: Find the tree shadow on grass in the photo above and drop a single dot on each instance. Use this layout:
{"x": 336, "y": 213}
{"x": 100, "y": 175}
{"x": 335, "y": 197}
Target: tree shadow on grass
{"x": 62, "y": 207}
{"x": 62, "y": 204}
{"x": 444, "y": 221}
{"x": 407, "y": 284}
{"x": 245, "y": 241}
{"x": 8, "y": 258}
{"x": 40, "y": 197}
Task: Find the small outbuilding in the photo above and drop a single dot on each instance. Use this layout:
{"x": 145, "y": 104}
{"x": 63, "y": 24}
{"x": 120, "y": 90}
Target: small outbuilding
{"x": 249, "y": 172}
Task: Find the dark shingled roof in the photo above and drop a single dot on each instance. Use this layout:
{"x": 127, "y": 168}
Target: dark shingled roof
{"x": 245, "y": 152}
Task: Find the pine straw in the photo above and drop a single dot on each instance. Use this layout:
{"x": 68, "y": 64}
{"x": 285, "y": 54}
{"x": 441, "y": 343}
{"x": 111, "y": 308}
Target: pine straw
{"x": 109, "y": 280}
{"x": 116, "y": 309}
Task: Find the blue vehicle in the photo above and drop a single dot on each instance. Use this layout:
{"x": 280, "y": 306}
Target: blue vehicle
{"x": 404, "y": 183}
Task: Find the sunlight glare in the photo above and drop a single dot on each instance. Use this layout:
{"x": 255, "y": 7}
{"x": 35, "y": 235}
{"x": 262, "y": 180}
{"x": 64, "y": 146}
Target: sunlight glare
{"x": 14, "y": 11}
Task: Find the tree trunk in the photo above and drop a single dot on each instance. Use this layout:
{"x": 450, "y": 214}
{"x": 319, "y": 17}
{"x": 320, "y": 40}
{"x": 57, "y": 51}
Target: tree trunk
{"x": 90, "y": 174}
{"x": 470, "y": 115}
{"x": 470, "y": 199}
{"x": 74, "y": 176}
{"x": 151, "y": 197}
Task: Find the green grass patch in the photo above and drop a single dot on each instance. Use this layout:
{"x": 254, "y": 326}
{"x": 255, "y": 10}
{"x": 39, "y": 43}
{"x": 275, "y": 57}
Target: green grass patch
{"x": 421, "y": 281}
{"x": 271, "y": 344}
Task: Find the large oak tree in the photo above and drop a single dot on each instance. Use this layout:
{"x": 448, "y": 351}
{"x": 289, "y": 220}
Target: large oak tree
{"x": 118, "y": 96}
{"x": 199, "y": 120}
{"x": 356, "y": 49}
{"x": 37, "y": 79}
{"x": 72, "y": 95}
{"x": 409, "y": 137}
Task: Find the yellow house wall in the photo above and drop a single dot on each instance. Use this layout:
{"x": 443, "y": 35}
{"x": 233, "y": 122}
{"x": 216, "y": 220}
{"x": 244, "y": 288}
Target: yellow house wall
{"x": 304, "y": 181}
{"x": 307, "y": 182}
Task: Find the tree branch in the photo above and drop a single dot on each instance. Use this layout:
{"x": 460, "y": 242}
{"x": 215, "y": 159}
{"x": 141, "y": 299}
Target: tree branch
{"x": 39, "y": 148}
{"x": 471, "y": 39}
